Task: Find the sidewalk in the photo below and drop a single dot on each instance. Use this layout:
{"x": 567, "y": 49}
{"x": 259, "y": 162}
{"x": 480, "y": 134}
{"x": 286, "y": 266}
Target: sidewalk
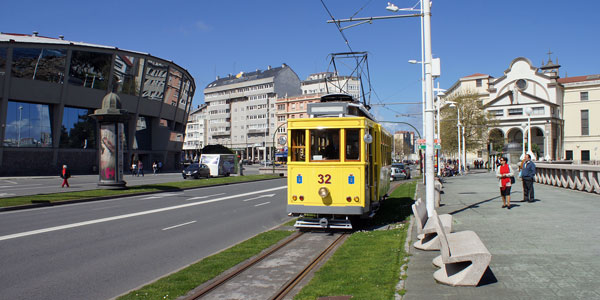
{"x": 549, "y": 249}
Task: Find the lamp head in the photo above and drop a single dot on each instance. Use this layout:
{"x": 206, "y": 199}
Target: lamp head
{"x": 392, "y": 7}
{"x": 528, "y": 110}
{"x": 412, "y": 61}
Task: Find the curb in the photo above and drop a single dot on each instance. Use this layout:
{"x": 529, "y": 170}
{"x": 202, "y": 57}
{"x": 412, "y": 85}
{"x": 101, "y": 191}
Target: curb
{"x": 49, "y": 204}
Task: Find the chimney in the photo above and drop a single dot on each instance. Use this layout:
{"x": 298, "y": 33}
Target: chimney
{"x": 269, "y": 67}
{"x": 62, "y": 37}
{"x": 283, "y": 65}
{"x": 218, "y": 77}
{"x": 35, "y": 33}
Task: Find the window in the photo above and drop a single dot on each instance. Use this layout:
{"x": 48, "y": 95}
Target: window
{"x": 585, "y": 155}
{"x": 27, "y": 125}
{"x": 298, "y": 144}
{"x": 39, "y": 64}
{"x": 154, "y": 82}
{"x": 128, "y": 74}
{"x": 2, "y": 60}
{"x": 78, "y": 129}
{"x": 538, "y": 111}
{"x": 569, "y": 155}
{"x": 325, "y": 144}
{"x": 90, "y": 69}
{"x": 497, "y": 112}
{"x": 352, "y": 144}
{"x": 585, "y": 122}
{"x": 478, "y": 82}
{"x": 515, "y": 111}
{"x": 583, "y": 96}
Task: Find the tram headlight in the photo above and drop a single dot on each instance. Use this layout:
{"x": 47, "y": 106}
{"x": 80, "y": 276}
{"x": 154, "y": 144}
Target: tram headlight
{"x": 323, "y": 192}
{"x": 349, "y": 199}
{"x": 294, "y": 197}
{"x": 356, "y": 199}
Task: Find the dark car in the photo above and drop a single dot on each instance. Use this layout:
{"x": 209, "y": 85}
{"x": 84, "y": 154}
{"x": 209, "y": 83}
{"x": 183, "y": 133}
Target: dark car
{"x": 403, "y": 168}
{"x": 196, "y": 170}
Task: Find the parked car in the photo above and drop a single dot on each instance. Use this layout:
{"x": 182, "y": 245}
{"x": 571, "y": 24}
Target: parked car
{"x": 396, "y": 174}
{"x": 246, "y": 162}
{"x": 403, "y": 168}
{"x": 196, "y": 171}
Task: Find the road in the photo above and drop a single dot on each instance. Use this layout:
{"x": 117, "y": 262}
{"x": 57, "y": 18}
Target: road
{"x": 99, "y": 250}
{"x": 21, "y": 186}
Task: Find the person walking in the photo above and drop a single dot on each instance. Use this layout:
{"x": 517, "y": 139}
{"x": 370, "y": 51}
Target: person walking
{"x": 65, "y": 174}
{"x": 140, "y": 168}
{"x": 504, "y": 174}
{"x": 154, "y": 167}
{"x": 527, "y": 174}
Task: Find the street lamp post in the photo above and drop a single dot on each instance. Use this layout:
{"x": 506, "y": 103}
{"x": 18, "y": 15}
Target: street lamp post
{"x": 528, "y": 111}
{"x": 524, "y": 126}
{"x": 458, "y": 126}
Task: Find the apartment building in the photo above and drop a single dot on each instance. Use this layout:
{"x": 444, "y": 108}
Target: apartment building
{"x": 331, "y": 83}
{"x": 241, "y": 109}
{"x": 195, "y": 133}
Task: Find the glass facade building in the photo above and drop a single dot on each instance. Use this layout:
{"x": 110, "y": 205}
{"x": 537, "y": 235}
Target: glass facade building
{"x": 50, "y": 86}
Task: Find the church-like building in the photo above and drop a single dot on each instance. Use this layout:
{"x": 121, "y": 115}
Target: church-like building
{"x": 557, "y": 110}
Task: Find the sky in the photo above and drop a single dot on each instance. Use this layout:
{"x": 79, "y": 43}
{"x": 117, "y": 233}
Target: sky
{"x": 217, "y": 38}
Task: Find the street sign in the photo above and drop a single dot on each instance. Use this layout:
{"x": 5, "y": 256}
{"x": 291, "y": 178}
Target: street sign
{"x": 438, "y": 146}
{"x": 422, "y": 146}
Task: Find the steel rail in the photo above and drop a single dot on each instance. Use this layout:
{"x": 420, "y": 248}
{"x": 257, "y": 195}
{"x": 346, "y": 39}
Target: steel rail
{"x": 242, "y": 268}
{"x": 288, "y": 286}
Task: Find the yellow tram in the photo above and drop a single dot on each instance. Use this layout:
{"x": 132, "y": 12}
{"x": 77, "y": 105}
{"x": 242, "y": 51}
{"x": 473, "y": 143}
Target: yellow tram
{"x": 338, "y": 164}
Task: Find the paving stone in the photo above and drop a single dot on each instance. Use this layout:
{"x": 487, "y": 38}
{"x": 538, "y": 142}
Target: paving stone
{"x": 539, "y": 250}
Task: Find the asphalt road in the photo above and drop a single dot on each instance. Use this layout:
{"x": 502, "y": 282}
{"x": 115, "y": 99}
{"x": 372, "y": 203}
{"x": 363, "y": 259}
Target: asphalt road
{"x": 20, "y": 186}
{"x": 99, "y": 250}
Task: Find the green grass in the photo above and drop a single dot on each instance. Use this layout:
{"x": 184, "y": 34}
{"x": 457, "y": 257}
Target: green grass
{"x": 179, "y": 283}
{"x": 367, "y": 265}
{"x": 162, "y": 187}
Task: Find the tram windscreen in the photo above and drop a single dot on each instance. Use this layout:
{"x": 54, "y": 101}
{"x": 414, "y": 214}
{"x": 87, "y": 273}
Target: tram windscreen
{"x": 324, "y": 144}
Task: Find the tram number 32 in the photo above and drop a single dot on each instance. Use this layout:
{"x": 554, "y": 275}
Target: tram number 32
{"x": 326, "y": 179}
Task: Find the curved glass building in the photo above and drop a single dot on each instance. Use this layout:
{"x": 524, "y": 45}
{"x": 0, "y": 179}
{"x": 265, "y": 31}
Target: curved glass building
{"x": 50, "y": 86}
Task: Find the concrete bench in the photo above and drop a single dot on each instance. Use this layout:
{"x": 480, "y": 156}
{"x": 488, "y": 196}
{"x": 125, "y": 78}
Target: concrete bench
{"x": 464, "y": 258}
{"x": 427, "y": 233}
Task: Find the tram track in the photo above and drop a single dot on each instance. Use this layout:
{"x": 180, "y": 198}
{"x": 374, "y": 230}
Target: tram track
{"x": 284, "y": 289}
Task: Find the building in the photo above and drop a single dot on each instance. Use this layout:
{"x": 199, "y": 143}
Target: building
{"x": 49, "y": 86}
{"x": 242, "y": 111}
{"x": 404, "y": 144}
{"x": 331, "y": 83}
{"x": 581, "y": 101}
{"x": 195, "y": 133}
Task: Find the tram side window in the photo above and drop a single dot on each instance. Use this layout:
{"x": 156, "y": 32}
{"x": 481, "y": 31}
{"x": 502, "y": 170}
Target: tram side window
{"x": 298, "y": 143}
{"x": 352, "y": 144}
{"x": 325, "y": 144}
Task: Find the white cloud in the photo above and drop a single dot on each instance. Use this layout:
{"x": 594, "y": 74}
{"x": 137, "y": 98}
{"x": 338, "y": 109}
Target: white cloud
{"x": 201, "y": 26}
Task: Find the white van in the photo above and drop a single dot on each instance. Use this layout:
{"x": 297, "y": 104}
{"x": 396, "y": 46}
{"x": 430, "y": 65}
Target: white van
{"x": 219, "y": 164}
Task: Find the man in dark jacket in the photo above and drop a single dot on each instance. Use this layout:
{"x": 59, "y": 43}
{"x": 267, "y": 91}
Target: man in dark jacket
{"x": 527, "y": 175}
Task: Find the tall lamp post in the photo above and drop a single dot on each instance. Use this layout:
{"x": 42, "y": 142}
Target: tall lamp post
{"x": 440, "y": 93}
{"x": 524, "y": 126}
{"x": 458, "y": 126}
{"x": 528, "y": 111}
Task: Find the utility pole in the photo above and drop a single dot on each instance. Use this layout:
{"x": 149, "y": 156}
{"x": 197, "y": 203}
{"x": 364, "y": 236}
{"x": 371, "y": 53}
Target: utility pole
{"x": 429, "y": 170}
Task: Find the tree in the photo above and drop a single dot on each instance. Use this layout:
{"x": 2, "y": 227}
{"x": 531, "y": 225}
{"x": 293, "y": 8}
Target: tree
{"x": 472, "y": 116}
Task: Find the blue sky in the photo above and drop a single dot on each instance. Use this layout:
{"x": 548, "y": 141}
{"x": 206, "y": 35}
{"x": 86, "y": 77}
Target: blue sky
{"x": 211, "y": 38}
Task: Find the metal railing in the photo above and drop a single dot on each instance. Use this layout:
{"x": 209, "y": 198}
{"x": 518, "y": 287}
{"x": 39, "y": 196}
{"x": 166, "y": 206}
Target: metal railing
{"x": 575, "y": 177}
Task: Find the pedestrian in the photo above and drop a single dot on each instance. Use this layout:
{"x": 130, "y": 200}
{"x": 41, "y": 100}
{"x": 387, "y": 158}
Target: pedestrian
{"x": 133, "y": 168}
{"x": 65, "y": 174}
{"x": 505, "y": 176}
{"x": 527, "y": 174}
{"x": 154, "y": 167}
{"x": 160, "y": 166}
{"x": 140, "y": 168}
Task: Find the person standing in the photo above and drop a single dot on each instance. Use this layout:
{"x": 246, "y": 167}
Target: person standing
{"x": 65, "y": 174}
{"x": 527, "y": 175}
{"x": 504, "y": 174}
{"x": 140, "y": 168}
{"x": 154, "y": 167}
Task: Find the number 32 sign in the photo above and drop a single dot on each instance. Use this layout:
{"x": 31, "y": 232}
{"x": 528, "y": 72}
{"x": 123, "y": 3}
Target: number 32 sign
{"x": 326, "y": 179}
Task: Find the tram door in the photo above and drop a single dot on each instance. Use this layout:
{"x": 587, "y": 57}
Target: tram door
{"x": 369, "y": 174}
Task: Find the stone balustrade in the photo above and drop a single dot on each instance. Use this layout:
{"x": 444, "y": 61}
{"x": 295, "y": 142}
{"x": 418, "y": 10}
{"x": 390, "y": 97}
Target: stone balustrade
{"x": 575, "y": 177}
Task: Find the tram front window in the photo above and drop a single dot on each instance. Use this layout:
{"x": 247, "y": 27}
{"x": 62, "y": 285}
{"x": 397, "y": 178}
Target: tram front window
{"x": 352, "y": 144}
{"x": 325, "y": 144}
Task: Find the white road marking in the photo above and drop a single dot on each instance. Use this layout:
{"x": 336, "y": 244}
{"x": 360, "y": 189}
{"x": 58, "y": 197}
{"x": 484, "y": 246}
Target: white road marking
{"x": 6, "y": 194}
{"x": 158, "y": 196}
{"x": 261, "y": 204}
{"x": 202, "y": 197}
{"x": 188, "y": 223}
{"x": 141, "y": 213}
{"x": 261, "y": 196}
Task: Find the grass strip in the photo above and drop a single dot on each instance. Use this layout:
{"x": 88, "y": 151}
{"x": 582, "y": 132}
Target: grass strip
{"x": 367, "y": 265}
{"x": 180, "y": 283}
{"x": 159, "y": 187}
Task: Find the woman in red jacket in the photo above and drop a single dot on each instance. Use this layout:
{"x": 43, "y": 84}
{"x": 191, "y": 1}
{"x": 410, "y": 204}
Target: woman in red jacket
{"x": 65, "y": 174}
